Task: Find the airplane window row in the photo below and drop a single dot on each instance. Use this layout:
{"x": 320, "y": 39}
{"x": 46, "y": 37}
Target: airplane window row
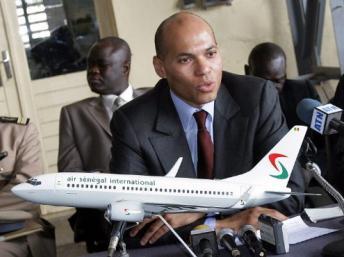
{"x": 165, "y": 190}
{"x": 90, "y": 186}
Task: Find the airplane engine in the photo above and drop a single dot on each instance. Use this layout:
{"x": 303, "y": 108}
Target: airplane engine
{"x": 125, "y": 211}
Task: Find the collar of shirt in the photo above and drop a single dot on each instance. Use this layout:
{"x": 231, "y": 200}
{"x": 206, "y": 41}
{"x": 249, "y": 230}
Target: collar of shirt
{"x": 108, "y": 100}
{"x": 186, "y": 111}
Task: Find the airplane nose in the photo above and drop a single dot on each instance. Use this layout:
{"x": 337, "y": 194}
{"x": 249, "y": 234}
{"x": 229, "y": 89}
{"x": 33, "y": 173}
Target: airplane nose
{"x": 22, "y": 190}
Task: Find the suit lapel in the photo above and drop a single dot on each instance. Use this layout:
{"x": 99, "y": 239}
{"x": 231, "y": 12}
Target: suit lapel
{"x": 229, "y": 135}
{"x": 169, "y": 141}
{"x": 97, "y": 110}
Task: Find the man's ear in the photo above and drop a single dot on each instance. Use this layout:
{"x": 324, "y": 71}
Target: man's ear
{"x": 159, "y": 67}
{"x": 247, "y": 69}
{"x": 126, "y": 68}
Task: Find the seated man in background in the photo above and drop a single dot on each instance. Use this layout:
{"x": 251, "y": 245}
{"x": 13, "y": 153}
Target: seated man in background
{"x": 243, "y": 119}
{"x": 21, "y": 159}
{"x": 268, "y": 61}
{"x": 336, "y": 163}
{"x": 85, "y": 136}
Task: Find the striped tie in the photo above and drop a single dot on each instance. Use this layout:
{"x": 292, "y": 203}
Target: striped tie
{"x": 119, "y": 101}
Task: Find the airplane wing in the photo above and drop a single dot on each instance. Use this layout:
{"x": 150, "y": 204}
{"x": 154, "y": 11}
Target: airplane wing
{"x": 133, "y": 211}
{"x": 293, "y": 193}
{"x": 130, "y": 210}
{"x": 162, "y": 208}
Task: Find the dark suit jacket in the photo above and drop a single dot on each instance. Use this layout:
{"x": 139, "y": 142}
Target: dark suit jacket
{"x": 293, "y": 92}
{"x": 336, "y": 145}
{"x": 148, "y": 136}
{"x": 84, "y": 145}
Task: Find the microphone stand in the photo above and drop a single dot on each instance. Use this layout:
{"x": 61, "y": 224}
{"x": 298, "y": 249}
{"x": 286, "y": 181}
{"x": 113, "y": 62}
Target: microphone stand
{"x": 314, "y": 169}
{"x": 333, "y": 248}
{"x": 117, "y": 237}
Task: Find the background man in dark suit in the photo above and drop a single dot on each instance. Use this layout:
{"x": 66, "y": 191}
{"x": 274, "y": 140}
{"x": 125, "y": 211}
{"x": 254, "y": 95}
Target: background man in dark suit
{"x": 336, "y": 154}
{"x": 85, "y": 136}
{"x": 243, "y": 118}
{"x": 268, "y": 61}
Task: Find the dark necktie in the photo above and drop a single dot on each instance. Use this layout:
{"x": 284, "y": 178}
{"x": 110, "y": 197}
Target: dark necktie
{"x": 205, "y": 147}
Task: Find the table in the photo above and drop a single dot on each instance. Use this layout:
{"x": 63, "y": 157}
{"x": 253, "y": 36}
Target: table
{"x": 310, "y": 248}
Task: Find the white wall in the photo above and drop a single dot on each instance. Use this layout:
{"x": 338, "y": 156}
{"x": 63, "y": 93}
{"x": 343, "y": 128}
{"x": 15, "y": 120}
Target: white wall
{"x": 238, "y": 29}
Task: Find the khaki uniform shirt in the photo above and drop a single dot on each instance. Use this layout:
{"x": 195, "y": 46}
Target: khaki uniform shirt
{"x": 24, "y": 157}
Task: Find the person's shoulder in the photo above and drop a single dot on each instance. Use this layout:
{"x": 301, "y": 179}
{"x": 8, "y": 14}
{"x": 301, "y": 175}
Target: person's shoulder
{"x": 149, "y": 98}
{"x": 141, "y": 90}
{"x": 16, "y": 126}
{"x": 233, "y": 79}
{"x": 297, "y": 83}
{"x": 246, "y": 89}
{"x": 11, "y": 121}
{"x": 302, "y": 88}
{"x": 14, "y": 122}
{"x": 81, "y": 103}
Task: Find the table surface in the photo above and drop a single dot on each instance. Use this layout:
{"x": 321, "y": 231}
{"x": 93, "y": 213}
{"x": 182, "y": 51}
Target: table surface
{"x": 310, "y": 248}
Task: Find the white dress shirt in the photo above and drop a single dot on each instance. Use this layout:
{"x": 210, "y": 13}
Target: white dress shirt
{"x": 185, "y": 112}
{"x": 108, "y": 100}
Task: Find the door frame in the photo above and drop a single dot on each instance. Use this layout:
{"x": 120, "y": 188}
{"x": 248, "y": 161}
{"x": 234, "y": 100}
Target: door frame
{"x": 9, "y": 87}
{"x": 19, "y": 63}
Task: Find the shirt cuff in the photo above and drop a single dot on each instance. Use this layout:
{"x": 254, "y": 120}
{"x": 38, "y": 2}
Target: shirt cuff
{"x": 210, "y": 221}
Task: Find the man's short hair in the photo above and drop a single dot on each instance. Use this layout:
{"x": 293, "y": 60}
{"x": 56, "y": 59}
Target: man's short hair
{"x": 116, "y": 43}
{"x": 265, "y": 52}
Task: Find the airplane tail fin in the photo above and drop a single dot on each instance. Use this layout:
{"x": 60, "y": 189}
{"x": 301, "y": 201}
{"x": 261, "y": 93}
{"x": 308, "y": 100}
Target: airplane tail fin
{"x": 174, "y": 170}
{"x": 276, "y": 167}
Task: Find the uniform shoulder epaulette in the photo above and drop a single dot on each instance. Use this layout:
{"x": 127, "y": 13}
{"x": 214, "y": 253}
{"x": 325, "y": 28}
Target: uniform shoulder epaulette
{"x": 16, "y": 120}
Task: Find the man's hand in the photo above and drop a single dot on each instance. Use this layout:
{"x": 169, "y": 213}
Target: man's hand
{"x": 247, "y": 217}
{"x": 157, "y": 228}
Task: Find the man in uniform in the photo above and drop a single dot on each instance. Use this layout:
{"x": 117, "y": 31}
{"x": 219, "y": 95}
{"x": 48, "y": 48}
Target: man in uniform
{"x": 21, "y": 158}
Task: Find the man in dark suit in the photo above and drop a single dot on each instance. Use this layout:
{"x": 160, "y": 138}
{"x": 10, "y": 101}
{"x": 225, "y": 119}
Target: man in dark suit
{"x": 243, "y": 119}
{"x": 335, "y": 172}
{"x": 268, "y": 61}
{"x": 85, "y": 136}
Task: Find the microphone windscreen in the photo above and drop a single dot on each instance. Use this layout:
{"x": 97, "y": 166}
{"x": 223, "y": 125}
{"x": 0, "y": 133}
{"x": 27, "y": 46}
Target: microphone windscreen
{"x": 225, "y": 231}
{"x": 203, "y": 241}
{"x": 246, "y": 228}
{"x": 304, "y": 109}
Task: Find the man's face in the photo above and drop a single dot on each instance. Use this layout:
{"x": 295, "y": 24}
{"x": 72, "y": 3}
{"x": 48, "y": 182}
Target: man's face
{"x": 274, "y": 70}
{"x": 107, "y": 70}
{"x": 191, "y": 63}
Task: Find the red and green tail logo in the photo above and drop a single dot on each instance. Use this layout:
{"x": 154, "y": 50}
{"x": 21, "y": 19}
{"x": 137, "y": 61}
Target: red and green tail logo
{"x": 284, "y": 172}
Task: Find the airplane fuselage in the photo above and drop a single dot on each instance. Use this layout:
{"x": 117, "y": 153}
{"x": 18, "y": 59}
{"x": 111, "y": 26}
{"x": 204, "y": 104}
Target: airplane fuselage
{"x": 96, "y": 190}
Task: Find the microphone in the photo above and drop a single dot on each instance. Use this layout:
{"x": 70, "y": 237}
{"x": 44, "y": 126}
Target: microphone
{"x": 3, "y": 155}
{"x": 324, "y": 119}
{"x": 248, "y": 234}
{"x": 203, "y": 241}
{"x": 227, "y": 240}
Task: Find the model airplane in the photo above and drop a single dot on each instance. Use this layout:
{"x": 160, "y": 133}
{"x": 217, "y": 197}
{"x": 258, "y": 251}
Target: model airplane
{"x": 133, "y": 197}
